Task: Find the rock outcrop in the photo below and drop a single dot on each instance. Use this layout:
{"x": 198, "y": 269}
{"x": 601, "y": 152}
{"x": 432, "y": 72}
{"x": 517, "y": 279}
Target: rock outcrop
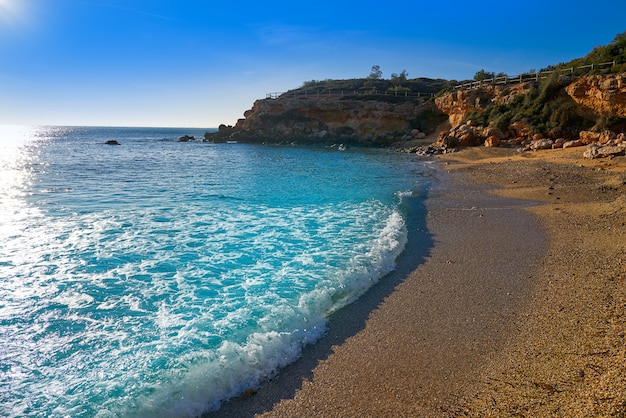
{"x": 601, "y": 95}
{"x": 379, "y": 120}
{"x": 364, "y": 121}
{"x": 458, "y": 104}
{"x": 593, "y": 98}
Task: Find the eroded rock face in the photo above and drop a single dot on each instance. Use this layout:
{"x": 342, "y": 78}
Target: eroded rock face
{"x": 601, "y": 94}
{"x": 308, "y": 117}
{"x": 375, "y": 122}
{"x": 382, "y": 122}
{"x": 596, "y": 96}
{"x": 458, "y": 104}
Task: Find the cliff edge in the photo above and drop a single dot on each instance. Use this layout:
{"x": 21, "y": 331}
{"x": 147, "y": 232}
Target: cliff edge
{"x": 554, "y": 112}
{"x": 363, "y": 120}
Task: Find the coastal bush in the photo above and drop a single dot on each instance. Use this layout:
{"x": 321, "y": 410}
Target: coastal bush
{"x": 428, "y": 120}
{"x": 612, "y": 123}
{"x": 545, "y": 107}
{"x": 614, "y": 51}
{"x": 363, "y": 86}
{"x": 563, "y": 119}
{"x": 483, "y": 75}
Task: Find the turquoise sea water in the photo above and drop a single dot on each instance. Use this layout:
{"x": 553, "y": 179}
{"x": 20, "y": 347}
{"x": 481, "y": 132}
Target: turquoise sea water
{"x": 158, "y": 278}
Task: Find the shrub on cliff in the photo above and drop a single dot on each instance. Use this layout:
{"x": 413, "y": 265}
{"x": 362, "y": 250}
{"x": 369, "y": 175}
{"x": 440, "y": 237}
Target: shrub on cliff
{"x": 614, "y": 51}
{"x": 362, "y": 86}
{"x": 545, "y": 107}
{"x": 428, "y": 120}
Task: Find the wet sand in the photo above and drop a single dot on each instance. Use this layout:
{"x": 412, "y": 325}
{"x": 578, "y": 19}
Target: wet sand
{"x": 513, "y": 305}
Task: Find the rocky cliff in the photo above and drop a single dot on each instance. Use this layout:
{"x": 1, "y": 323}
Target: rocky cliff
{"x": 601, "y": 95}
{"x": 597, "y": 95}
{"x": 458, "y": 104}
{"x": 554, "y": 113}
{"x": 539, "y": 114}
{"x": 367, "y": 120}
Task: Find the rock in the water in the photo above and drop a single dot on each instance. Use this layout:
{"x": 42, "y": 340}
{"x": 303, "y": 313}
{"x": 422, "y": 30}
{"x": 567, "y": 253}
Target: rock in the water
{"x": 112, "y": 142}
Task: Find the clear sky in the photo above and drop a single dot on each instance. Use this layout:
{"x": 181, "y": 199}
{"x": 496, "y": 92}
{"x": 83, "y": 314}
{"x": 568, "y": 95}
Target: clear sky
{"x": 200, "y": 63}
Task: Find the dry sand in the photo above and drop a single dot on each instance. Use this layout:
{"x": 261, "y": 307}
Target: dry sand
{"x": 569, "y": 357}
{"x": 515, "y": 305}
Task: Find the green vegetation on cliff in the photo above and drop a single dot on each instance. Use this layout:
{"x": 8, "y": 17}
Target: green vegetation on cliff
{"x": 545, "y": 107}
{"x": 396, "y": 86}
{"x": 615, "y": 51}
{"x": 548, "y": 109}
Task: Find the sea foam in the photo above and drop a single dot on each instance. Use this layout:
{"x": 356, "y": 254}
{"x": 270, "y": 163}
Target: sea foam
{"x": 161, "y": 278}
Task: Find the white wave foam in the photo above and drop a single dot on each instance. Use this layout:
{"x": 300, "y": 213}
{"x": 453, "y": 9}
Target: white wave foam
{"x": 218, "y": 375}
{"x": 214, "y": 376}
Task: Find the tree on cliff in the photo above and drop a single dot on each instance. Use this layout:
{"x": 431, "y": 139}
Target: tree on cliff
{"x": 376, "y": 74}
{"x": 397, "y": 79}
{"x": 483, "y": 75}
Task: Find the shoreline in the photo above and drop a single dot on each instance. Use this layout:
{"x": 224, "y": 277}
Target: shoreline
{"x": 412, "y": 345}
{"x": 560, "y": 346}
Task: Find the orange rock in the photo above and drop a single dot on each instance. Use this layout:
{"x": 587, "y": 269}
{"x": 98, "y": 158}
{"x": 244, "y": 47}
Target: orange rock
{"x": 589, "y": 137}
{"x": 519, "y": 129}
{"x": 600, "y": 94}
{"x": 492, "y": 141}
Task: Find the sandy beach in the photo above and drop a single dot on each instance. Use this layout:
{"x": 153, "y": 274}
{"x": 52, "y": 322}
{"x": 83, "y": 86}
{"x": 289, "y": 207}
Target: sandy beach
{"x": 515, "y": 305}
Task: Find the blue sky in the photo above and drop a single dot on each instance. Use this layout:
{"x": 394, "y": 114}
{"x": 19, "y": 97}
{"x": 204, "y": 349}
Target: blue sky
{"x": 199, "y": 63}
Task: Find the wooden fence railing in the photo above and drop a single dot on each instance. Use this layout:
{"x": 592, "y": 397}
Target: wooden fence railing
{"x": 342, "y": 93}
{"x": 527, "y": 76}
{"x": 505, "y": 79}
